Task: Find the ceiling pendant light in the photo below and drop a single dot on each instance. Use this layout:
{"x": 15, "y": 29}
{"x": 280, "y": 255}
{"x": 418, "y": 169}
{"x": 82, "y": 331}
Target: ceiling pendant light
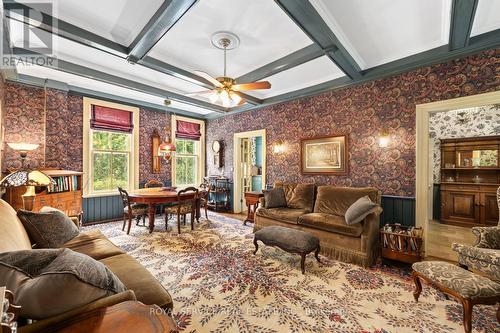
{"x": 166, "y": 148}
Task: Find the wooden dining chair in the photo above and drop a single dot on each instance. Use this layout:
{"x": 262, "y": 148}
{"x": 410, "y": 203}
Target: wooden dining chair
{"x": 203, "y": 198}
{"x": 132, "y": 210}
{"x": 183, "y": 206}
{"x": 153, "y": 183}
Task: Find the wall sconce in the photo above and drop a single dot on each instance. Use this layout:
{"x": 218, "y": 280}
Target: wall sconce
{"x": 279, "y": 147}
{"x": 384, "y": 139}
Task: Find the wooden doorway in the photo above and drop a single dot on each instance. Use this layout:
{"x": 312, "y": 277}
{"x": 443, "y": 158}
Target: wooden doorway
{"x": 244, "y": 168}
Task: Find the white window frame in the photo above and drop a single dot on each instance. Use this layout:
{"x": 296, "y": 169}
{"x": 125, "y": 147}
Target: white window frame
{"x": 200, "y": 147}
{"x": 88, "y": 151}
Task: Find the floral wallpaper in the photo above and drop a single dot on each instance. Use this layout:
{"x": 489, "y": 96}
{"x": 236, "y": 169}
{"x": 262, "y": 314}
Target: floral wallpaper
{"x": 466, "y": 123}
{"x": 361, "y": 112}
{"x": 24, "y": 107}
{"x": 61, "y": 139}
{"x": 149, "y": 121}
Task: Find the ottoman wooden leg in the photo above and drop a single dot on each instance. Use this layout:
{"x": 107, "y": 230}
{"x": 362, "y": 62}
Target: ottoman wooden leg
{"x": 467, "y": 315}
{"x": 418, "y": 286}
{"x": 256, "y": 246}
{"x": 303, "y": 262}
{"x": 316, "y": 254}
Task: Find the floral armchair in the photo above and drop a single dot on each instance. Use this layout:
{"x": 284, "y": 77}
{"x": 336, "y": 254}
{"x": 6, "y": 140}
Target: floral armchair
{"x": 484, "y": 256}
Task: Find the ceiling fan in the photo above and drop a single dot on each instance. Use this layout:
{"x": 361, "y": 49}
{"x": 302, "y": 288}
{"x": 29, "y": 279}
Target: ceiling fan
{"x": 225, "y": 90}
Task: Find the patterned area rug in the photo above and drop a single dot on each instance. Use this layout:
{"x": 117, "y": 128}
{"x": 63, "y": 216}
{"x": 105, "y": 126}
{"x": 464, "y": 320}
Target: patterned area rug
{"x": 218, "y": 285}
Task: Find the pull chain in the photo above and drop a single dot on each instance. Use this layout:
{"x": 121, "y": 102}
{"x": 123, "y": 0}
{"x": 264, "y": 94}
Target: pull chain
{"x": 225, "y": 48}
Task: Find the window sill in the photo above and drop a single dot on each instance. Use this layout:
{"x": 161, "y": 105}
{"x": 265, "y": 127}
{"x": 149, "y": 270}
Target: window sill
{"x": 101, "y": 194}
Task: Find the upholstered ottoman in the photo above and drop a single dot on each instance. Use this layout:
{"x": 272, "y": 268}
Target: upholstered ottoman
{"x": 466, "y": 287}
{"x": 289, "y": 240}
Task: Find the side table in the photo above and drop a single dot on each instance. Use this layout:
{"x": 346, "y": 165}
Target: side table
{"x": 252, "y": 201}
{"x": 129, "y": 316}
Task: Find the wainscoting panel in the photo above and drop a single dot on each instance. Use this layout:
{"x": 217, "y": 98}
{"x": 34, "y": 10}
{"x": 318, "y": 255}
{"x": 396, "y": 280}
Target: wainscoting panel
{"x": 398, "y": 210}
{"x": 100, "y": 209}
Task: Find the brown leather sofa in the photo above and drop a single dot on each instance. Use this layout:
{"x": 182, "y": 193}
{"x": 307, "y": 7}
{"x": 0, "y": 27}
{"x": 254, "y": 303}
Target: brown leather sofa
{"x": 141, "y": 284}
{"x": 320, "y": 210}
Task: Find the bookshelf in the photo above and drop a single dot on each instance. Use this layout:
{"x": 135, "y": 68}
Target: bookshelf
{"x": 65, "y": 194}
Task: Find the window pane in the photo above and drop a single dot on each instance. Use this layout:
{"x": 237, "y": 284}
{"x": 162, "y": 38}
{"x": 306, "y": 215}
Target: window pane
{"x": 190, "y": 146}
{"x": 120, "y": 170}
{"x": 185, "y": 170}
{"x": 102, "y": 171}
{"x": 191, "y": 170}
{"x": 180, "y": 146}
{"x": 180, "y": 170}
{"x": 119, "y": 141}
{"x": 100, "y": 140}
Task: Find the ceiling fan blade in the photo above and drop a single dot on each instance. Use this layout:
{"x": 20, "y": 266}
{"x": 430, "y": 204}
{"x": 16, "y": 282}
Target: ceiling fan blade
{"x": 252, "y": 86}
{"x": 209, "y": 78}
{"x": 200, "y": 93}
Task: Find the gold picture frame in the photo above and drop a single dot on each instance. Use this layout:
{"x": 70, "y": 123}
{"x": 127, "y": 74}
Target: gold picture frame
{"x": 324, "y": 155}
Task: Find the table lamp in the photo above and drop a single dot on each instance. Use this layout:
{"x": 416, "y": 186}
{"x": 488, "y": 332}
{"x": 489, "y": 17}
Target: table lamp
{"x": 25, "y": 176}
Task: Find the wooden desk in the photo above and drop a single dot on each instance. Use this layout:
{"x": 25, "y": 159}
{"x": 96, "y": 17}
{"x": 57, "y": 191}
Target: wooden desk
{"x": 130, "y": 316}
{"x": 157, "y": 195}
{"x": 252, "y": 201}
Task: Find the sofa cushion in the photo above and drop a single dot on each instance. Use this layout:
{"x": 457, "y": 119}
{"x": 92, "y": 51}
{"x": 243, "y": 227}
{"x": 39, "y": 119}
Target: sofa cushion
{"x": 136, "y": 277}
{"x": 94, "y": 244}
{"x": 274, "y": 198}
{"x": 299, "y": 196}
{"x": 48, "y": 282}
{"x": 336, "y": 200}
{"x": 359, "y": 210}
{"x": 48, "y": 230}
{"x": 13, "y": 236}
{"x": 283, "y": 214}
{"x": 331, "y": 223}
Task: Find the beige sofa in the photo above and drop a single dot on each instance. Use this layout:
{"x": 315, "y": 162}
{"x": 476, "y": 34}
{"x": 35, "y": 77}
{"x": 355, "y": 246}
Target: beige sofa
{"x": 320, "y": 210}
{"x": 141, "y": 284}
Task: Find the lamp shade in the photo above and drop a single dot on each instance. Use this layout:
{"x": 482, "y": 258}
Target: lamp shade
{"x": 26, "y": 178}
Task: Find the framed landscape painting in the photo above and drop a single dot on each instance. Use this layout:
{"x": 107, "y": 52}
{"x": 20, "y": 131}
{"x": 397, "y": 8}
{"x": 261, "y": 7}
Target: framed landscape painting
{"x": 324, "y": 155}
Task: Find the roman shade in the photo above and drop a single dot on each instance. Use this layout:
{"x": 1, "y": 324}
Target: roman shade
{"x": 111, "y": 119}
{"x": 188, "y": 130}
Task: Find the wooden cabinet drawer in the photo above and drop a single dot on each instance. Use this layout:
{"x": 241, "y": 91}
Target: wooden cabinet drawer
{"x": 458, "y": 187}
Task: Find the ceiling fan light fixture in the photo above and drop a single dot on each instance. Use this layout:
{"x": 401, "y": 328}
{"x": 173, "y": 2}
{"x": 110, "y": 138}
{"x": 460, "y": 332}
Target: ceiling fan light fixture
{"x": 235, "y": 97}
{"x": 225, "y": 99}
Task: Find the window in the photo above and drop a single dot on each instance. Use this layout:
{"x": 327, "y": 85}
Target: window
{"x": 110, "y": 147}
{"x": 188, "y": 165}
{"x": 110, "y": 159}
{"x": 186, "y": 162}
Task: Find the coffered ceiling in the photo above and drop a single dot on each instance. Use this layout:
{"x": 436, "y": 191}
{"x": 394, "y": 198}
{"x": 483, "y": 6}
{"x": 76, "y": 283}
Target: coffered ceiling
{"x": 143, "y": 52}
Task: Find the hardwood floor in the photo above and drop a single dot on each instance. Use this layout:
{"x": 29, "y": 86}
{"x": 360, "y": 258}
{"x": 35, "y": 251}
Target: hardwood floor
{"x": 441, "y": 236}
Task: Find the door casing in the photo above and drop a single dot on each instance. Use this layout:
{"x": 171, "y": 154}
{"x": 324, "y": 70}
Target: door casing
{"x": 237, "y": 205}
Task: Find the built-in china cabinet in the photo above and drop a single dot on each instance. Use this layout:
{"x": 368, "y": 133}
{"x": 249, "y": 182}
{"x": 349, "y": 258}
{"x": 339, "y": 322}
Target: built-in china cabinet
{"x": 470, "y": 176}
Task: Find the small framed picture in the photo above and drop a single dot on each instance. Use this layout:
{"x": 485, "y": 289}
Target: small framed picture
{"x": 324, "y": 155}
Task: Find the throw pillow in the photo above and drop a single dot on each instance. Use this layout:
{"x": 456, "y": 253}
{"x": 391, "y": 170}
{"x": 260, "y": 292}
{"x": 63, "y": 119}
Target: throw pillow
{"x": 48, "y": 229}
{"x": 47, "y": 209}
{"x": 48, "y": 282}
{"x": 359, "y": 210}
{"x": 275, "y": 198}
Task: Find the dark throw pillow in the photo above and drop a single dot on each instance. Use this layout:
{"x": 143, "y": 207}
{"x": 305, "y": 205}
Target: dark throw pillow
{"x": 48, "y": 230}
{"x": 275, "y": 198}
{"x": 359, "y": 210}
{"x": 48, "y": 282}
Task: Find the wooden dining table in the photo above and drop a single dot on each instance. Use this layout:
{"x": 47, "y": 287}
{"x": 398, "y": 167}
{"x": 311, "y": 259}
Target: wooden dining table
{"x": 160, "y": 195}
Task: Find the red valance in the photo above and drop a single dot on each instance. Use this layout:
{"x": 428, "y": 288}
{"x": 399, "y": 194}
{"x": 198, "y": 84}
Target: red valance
{"x": 111, "y": 119}
{"x": 188, "y": 130}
